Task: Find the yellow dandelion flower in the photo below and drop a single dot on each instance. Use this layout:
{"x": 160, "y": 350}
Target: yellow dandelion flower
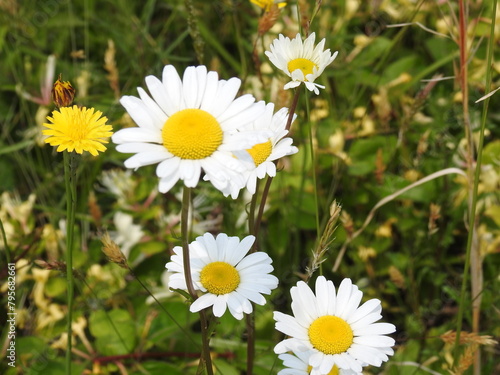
{"x": 267, "y": 4}
{"x": 77, "y": 129}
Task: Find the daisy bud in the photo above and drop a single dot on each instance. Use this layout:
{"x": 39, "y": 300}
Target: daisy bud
{"x": 112, "y": 251}
{"x": 62, "y": 93}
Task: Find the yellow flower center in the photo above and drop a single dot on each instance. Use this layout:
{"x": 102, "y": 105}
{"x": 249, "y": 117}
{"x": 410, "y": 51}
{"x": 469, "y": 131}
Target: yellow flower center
{"x": 333, "y": 371}
{"x": 305, "y": 65}
{"x": 260, "y": 152}
{"x": 219, "y": 278}
{"x": 192, "y": 134}
{"x": 330, "y": 334}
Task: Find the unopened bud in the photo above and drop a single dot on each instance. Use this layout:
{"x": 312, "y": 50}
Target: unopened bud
{"x": 62, "y": 93}
{"x": 112, "y": 251}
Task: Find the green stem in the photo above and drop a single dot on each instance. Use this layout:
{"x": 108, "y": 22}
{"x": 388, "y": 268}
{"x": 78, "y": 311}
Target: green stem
{"x": 293, "y": 107}
{"x": 206, "y": 360}
{"x": 477, "y": 172}
{"x": 254, "y": 228}
{"x": 258, "y": 220}
{"x": 6, "y": 245}
{"x": 186, "y": 201}
{"x": 251, "y": 214}
{"x": 250, "y": 323}
{"x": 70, "y": 184}
{"x": 184, "y": 331}
{"x": 265, "y": 192}
{"x": 313, "y": 169}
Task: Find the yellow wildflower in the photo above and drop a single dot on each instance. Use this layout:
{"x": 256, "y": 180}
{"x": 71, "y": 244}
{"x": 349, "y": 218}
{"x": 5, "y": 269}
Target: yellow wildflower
{"x": 267, "y": 4}
{"x": 77, "y": 129}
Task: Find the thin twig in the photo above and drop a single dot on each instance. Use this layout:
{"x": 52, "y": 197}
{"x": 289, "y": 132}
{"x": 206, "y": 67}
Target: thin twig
{"x": 387, "y": 199}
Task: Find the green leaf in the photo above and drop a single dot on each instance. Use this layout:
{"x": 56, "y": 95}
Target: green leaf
{"x": 422, "y": 193}
{"x": 363, "y": 153}
{"x": 114, "y": 331}
{"x": 159, "y": 368}
{"x": 6, "y": 175}
{"x": 493, "y": 213}
{"x": 373, "y": 51}
{"x": 152, "y": 247}
{"x": 491, "y": 153}
{"x": 225, "y": 368}
{"x": 55, "y": 286}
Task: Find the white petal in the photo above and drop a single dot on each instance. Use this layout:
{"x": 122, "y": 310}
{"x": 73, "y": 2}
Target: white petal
{"x": 365, "y": 309}
{"x": 173, "y": 84}
{"x": 161, "y": 96}
{"x": 376, "y": 329}
{"x": 144, "y": 158}
{"x": 220, "y": 305}
{"x": 203, "y": 302}
{"x": 225, "y": 96}
{"x": 138, "y": 111}
{"x": 374, "y": 340}
{"x": 137, "y": 135}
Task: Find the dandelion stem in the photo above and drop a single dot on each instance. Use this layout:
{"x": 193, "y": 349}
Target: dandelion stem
{"x": 70, "y": 184}
{"x": 205, "y": 360}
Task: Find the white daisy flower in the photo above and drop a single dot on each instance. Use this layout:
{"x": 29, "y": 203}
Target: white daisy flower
{"x": 333, "y": 325}
{"x": 260, "y": 158}
{"x": 300, "y": 61}
{"x": 228, "y": 278}
{"x": 189, "y": 125}
{"x": 298, "y": 364}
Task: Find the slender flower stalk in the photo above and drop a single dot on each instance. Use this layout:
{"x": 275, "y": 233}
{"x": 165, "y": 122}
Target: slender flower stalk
{"x": 473, "y": 184}
{"x": 250, "y": 325}
{"x": 265, "y": 192}
{"x": 73, "y": 129}
{"x": 70, "y": 184}
{"x": 205, "y": 360}
{"x": 254, "y": 228}
{"x": 313, "y": 170}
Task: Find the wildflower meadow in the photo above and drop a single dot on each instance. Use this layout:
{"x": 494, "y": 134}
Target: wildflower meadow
{"x": 249, "y": 187}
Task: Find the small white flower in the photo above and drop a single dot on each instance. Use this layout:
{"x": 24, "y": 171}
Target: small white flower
{"x": 260, "y": 158}
{"x": 298, "y": 364}
{"x": 189, "y": 125}
{"x": 228, "y": 277}
{"x": 119, "y": 183}
{"x": 301, "y": 61}
{"x": 333, "y": 325}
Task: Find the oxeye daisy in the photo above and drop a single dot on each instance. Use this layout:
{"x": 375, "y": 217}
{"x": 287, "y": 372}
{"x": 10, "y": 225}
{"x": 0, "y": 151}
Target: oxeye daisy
{"x": 77, "y": 129}
{"x": 260, "y": 157}
{"x": 227, "y": 276}
{"x": 301, "y": 61}
{"x": 189, "y": 125}
{"x": 333, "y": 325}
{"x": 298, "y": 364}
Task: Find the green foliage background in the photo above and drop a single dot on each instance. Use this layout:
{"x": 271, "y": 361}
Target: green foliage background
{"x": 377, "y": 126}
